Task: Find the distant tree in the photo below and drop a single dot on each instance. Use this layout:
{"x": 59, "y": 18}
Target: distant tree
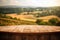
{"x": 53, "y": 21}
{"x": 39, "y": 22}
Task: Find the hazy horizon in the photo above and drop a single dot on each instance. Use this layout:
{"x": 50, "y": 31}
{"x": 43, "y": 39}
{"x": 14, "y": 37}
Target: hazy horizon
{"x": 34, "y": 3}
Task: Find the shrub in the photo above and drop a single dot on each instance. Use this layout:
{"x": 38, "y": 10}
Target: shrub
{"x": 53, "y": 21}
{"x": 38, "y": 21}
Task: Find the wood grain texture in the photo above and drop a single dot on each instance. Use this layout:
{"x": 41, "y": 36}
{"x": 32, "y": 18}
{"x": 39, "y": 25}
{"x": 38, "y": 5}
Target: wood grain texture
{"x": 30, "y": 29}
{"x": 29, "y": 36}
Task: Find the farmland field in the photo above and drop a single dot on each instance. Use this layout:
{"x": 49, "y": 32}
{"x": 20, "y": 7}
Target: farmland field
{"x": 30, "y": 16}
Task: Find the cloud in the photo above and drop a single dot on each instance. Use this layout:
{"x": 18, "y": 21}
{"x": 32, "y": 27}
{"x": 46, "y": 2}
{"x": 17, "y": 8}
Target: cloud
{"x": 14, "y": 2}
{"x": 30, "y": 2}
{"x": 9, "y": 2}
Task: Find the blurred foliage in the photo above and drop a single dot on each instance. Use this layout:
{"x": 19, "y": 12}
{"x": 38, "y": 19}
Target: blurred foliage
{"x": 53, "y": 21}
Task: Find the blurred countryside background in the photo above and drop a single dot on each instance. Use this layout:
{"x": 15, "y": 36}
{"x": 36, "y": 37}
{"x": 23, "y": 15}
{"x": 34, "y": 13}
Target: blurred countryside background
{"x": 30, "y": 12}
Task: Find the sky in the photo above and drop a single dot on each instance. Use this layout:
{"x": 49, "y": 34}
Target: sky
{"x": 35, "y": 3}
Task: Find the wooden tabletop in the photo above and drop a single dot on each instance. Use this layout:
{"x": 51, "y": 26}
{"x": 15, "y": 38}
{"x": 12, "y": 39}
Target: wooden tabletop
{"x": 30, "y": 29}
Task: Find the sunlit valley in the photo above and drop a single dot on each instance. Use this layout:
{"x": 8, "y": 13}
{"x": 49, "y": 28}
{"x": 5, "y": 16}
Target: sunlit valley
{"x": 25, "y": 15}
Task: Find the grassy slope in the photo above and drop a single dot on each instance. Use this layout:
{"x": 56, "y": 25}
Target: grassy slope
{"x": 32, "y": 18}
{"x": 46, "y": 18}
{"x": 8, "y": 21}
{"x": 24, "y": 19}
